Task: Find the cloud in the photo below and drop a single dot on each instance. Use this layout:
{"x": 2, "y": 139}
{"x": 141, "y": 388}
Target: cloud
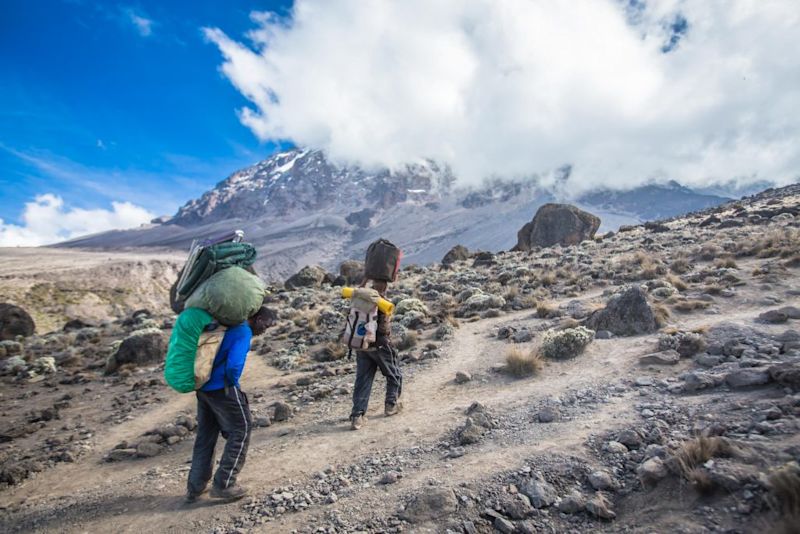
{"x": 700, "y": 91}
{"x": 47, "y": 220}
{"x": 142, "y": 24}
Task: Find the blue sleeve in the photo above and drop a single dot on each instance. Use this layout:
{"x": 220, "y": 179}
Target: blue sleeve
{"x": 237, "y": 355}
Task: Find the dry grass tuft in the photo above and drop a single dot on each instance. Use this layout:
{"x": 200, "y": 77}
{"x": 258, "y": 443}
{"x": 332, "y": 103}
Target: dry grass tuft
{"x": 690, "y": 305}
{"x": 696, "y": 452}
{"x": 547, "y": 278}
{"x": 546, "y": 310}
{"x": 521, "y": 364}
{"x": 708, "y": 252}
{"x": 677, "y": 282}
{"x": 680, "y": 266}
{"x": 785, "y": 486}
{"x": 662, "y": 315}
{"x": 725, "y": 263}
{"x": 783, "y": 242}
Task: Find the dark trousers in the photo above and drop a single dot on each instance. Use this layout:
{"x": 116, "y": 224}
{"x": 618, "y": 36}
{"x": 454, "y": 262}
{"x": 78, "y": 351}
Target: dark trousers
{"x": 227, "y": 412}
{"x": 367, "y": 362}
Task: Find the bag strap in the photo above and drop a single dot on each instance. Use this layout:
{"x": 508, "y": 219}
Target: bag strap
{"x": 352, "y": 335}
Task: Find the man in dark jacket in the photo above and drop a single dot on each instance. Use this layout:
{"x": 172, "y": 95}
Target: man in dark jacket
{"x": 222, "y": 407}
{"x": 381, "y": 355}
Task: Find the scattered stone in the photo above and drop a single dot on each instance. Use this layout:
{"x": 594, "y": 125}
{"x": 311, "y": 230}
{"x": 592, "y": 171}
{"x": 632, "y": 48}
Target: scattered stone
{"x": 142, "y": 347}
{"x": 390, "y": 477}
{"x": 148, "y": 449}
{"x": 548, "y": 414}
{"x": 652, "y": 470}
{"x": 573, "y": 503}
{"x": 630, "y": 438}
{"x": 430, "y": 504}
{"x": 615, "y": 447}
{"x": 463, "y": 377}
{"x": 773, "y": 317}
{"x": 599, "y": 506}
{"x": 283, "y": 411}
{"x": 667, "y": 357}
{"x": 626, "y": 314}
{"x": 601, "y": 480}
{"x": 742, "y": 378}
{"x": 539, "y": 492}
{"x": 352, "y": 272}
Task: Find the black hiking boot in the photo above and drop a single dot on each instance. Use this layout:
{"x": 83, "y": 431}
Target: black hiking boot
{"x": 191, "y": 496}
{"x": 357, "y": 422}
{"x": 391, "y": 409}
{"x": 231, "y": 493}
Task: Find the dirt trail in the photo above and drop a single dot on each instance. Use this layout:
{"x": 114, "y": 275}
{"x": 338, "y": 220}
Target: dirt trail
{"x": 434, "y": 405}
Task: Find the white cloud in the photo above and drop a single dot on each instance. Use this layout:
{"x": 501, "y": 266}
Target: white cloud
{"x": 514, "y": 87}
{"x": 142, "y": 24}
{"x": 47, "y": 220}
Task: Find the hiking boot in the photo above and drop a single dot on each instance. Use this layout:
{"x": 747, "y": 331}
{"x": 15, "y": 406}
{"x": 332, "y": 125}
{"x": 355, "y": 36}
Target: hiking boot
{"x": 231, "y": 493}
{"x": 391, "y": 409}
{"x": 357, "y": 422}
{"x": 192, "y": 496}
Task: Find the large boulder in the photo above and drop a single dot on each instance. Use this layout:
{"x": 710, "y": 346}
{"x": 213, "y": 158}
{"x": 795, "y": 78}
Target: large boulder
{"x": 14, "y": 321}
{"x": 142, "y": 347}
{"x": 352, "y": 271}
{"x": 457, "y": 253}
{"x": 557, "y": 224}
{"x": 308, "y": 276}
{"x": 626, "y": 314}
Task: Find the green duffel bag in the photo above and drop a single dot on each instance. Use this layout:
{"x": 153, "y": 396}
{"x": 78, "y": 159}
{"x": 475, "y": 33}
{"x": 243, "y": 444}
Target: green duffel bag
{"x": 231, "y": 296}
{"x": 182, "y": 350}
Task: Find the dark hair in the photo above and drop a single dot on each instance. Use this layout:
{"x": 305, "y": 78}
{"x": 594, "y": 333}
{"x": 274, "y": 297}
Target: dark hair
{"x": 263, "y": 318}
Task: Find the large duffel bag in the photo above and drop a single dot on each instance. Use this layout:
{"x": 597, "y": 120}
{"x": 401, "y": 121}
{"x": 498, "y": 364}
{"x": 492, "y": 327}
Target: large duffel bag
{"x": 231, "y": 296}
{"x": 382, "y": 261}
{"x": 192, "y": 349}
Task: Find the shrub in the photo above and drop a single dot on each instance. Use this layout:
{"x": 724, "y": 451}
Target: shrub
{"x": 725, "y": 263}
{"x": 521, "y": 364}
{"x": 564, "y": 344}
{"x": 408, "y": 341}
{"x": 690, "y": 305}
{"x": 547, "y": 310}
{"x": 677, "y": 282}
{"x": 680, "y": 266}
{"x": 784, "y": 484}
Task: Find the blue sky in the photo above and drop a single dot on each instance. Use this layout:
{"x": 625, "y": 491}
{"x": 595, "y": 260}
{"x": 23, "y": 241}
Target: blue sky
{"x": 105, "y": 102}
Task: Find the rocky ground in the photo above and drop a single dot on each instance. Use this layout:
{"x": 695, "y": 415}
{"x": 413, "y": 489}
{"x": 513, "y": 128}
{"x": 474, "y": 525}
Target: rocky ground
{"x": 646, "y": 381}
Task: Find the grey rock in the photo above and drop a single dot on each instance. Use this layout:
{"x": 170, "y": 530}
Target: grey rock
{"x": 283, "y": 411}
{"x": 308, "y": 276}
{"x": 430, "y": 504}
{"x": 603, "y": 334}
{"x": 463, "y": 377}
{"x": 652, "y": 470}
{"x": 627, "y": 314}
{"x": 390, "y": 477}
{"x": 548, "y": 414}
{"x": 630, "y": 438}
{"x": 504, "y": 525}
{"x": 457, "y": 253}
{"x": 557, "y": 224}
{"x": 601, "y": 480}
{"x": 539, "y": 492}
{"x": 667, "y": 357}
{"x": 15, "y": 321}
{"x": 470, "y": 433}
{"x": 599, "y": 506}
{"x": 615, "y": 447}
{"x": 573, "y": 503}
{"x": 148, "y": 449}
{"x": 741, "y": 378}
{"x": 142, "y": 347}
{"x": 119, "y": 455}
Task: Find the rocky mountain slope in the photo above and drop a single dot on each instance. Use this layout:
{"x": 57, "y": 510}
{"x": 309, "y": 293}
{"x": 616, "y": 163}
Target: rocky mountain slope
{"x": 299, "y": 208}
{"x": 645, "y": 381}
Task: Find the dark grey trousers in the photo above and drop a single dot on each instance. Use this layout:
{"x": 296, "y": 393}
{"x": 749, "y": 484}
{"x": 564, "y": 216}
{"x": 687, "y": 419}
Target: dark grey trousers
{"x": 227, "y": 412}
{"x": 367, "y": 362}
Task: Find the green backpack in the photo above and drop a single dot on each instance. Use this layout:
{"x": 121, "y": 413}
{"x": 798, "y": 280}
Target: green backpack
{"x": 184, "y": 350}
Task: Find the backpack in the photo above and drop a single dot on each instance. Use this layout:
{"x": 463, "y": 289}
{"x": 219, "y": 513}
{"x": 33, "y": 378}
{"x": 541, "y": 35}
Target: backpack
{"x": 207, "y": 257}
{"x": 192, "y": 348}
{"x": 362, "y": 322}
{"x": 382, "y": 261}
